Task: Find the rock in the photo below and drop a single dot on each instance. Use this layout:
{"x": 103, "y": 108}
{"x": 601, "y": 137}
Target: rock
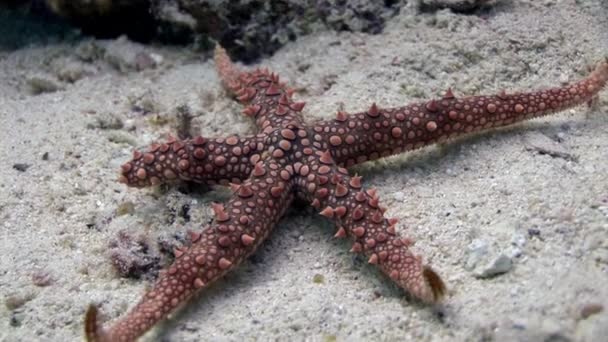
{"x": 157, "y": 58}
{"x": 72, "y": 71}
{"x": 125, "y": 55}
{"x": 15, "y": 301}
{"x": 268, "y": 25}
{"x": 42, "y": 278}
{"x": 499, "y": 265}
{"x": 318, "y": 279}
{"x": 476, "y": 251}
{"x": 248, "y": 29}
{"x": 16, "y": 318}
{"x": 518, "y": 240}
{"x": 399, "y": 196}
{"x": 129, "y": 125}
{"x": 39, "y": 84}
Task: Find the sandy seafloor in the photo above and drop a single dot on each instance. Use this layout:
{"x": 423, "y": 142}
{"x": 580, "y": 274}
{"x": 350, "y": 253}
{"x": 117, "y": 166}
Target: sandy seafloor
{"x": 548, "y": 212}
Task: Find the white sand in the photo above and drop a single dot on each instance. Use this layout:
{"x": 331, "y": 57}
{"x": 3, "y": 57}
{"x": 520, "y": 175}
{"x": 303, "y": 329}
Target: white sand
{"x": 493, "y": 187}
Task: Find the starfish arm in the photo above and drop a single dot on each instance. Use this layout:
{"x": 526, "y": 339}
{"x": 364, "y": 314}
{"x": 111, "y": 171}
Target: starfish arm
{"x": 201, "y": 160}
{"x": 357, "y": 214}
{"x": 376, "y": 133}
{"x": 238, "y": 230}
{"x": 268, "y": 100}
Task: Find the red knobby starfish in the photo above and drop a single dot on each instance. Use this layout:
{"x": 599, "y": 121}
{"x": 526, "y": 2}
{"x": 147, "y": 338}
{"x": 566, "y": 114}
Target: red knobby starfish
{"x": 290, "y": 159}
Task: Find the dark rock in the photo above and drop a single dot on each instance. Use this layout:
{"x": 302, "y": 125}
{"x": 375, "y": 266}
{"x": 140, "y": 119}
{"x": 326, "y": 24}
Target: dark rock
{"x": 274, "y": 23}
{"x": 248, "y": 29}
{"x": 108, "y": 19}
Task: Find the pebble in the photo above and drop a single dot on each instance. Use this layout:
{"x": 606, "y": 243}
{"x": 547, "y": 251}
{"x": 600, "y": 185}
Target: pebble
{"x": 518, "y": 240}
{"x": 22, "y": 167}
{"x": 15, "y": 301}
{"x": 399, "y": 196}
{"x": 16, "y": 318}
{"x": 129, "y": 125}
{"x": 42, "y": 278}
{"x": 318, "y": 279}
{"x": 157, "y": 58}
{"x": 476, "y": 250}
{"x": 515, "y": 252}
{"x": 125, "y": 208}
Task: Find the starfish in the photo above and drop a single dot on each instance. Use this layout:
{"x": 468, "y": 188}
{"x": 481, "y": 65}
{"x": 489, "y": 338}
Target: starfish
{"x": 288, "y": 160}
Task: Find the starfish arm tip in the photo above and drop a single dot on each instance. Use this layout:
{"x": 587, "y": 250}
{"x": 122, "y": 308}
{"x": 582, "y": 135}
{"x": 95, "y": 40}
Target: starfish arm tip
{"x": 435, "y": 284}
{"x": 92, "y": 331}
{"x": 427, "y": 286}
